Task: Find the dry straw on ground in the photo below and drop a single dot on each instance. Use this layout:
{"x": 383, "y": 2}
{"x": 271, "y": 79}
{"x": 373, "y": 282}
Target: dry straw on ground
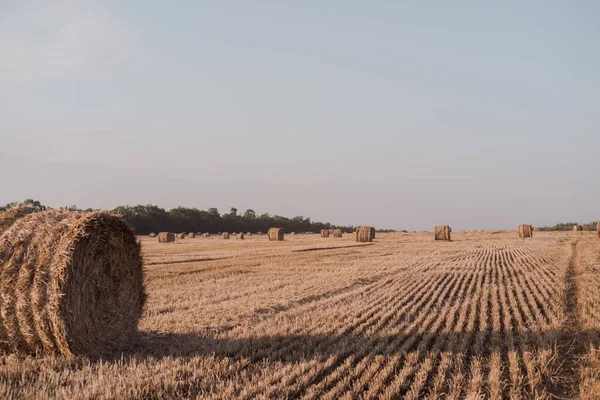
{"x": 525, "y": 231}
{"x": 72, "y": 283}
{"x": 166, "y": 237}
{"x": 225, "y": 235}
{"x": 577, "y": 228}
{"x": 365, "y": 233}
{"x": 275, "y": 234}
{"x": 324, "y": 233}
{"x": 240, "y": 236}
{"x": 442, "y": 232}
{"x": 337, "y": 233}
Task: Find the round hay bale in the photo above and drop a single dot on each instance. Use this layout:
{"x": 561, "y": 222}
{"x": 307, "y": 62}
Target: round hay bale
{"x": 180, "y": 236}
{"x": 598, "y": 228}
{"x": 206, "y": 235}
{"x": 577, "y": 228}
{"x": 152, "y": 234}
{"x": 225, "y": 235}
{"x": 275, "y": 234}
{"x": 240, "y": 236}
{"x": 191, "y": 235}
{"x": 442, "y": 232}
{"x": 337, "y": 233}
{"x": 71, "y": 284}
{"x": 324, "y": 233}
{"x": 525, "y": 231}
{"x": 364, "y": 234}
{"x": 248, "y": 233}
{"x": 260, "y": 233}
{"x": 10, "y": 216}
{"x": 166, "y": 237}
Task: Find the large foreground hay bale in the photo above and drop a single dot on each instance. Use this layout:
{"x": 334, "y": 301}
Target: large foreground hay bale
{"x": 166, "y": 237}
{"x": 364, "y": 233}
{"x": 577, "y": 228}
{"x": 337, "y": 233}
{"x": 71, "y": 284}
{"x": 324, "y": 233}
{"x": 240, "y": 236}
{"x": 225, "y": 235}
{"x": 525, "y": 231}
{"x": 10, "y": 216}
{"x": 275, "y": 234}
{"x": 442, "y": 232}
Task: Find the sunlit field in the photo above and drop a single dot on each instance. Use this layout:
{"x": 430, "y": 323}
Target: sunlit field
{"x": 486, "y": 315}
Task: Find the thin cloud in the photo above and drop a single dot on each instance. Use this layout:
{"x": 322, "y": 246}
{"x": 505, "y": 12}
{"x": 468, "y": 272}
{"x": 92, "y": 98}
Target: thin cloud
{"x": 61, "y": 42}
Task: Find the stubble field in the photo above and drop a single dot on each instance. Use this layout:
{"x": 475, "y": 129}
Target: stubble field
{"x": 486, "y": 315}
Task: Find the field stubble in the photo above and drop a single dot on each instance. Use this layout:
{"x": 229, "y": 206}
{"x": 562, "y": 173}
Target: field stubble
{"x": 486, "y": 315}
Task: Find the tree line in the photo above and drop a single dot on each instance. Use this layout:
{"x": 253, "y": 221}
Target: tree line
{"x": 145, "y": 219}
{"x": 568, "y": 226}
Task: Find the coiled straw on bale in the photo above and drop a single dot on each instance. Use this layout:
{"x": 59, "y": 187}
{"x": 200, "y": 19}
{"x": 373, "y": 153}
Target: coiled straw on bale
{"x": 324, "y": 233}
{"x": 10, "y": 216}
{"x": 225, "y": 235}
{"x": 442, "y": 232}
{"x": 525, "y": 231}
{"x": 166, "y": 237}
{"x": 275, "y": 234}
{"x": 71, "y": 283}
{"x": 364, "y": 233}
{"x": 337, "y": 233}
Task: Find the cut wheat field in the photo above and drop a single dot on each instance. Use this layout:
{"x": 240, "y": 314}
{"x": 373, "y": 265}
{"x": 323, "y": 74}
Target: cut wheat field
{"x": 487, "y": 315}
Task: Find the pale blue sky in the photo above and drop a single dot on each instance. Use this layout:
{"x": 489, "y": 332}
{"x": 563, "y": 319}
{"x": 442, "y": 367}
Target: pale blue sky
{"x": 402, "y": 115}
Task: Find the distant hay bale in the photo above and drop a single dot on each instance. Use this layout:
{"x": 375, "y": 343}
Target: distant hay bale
{"x": 191, "y": 235}
{"x": 364, "y": 233}
{"x": 598, "y": 228}
{"x": 206, "y": 235}
{"x": 225, "y": 235}
{"x": 324, "y": 233}
{"x": 337, "y": 233}
{"x": 10, "y": 216}
{"x": 577, "y": 228}
{"x": 259, "y": 233}
{"x": 442, "y": 232}
{"x": 293, "y": 233}
{"x": 248, "y": 233}
{"x": 72, "y": 284}
{"x": 152, "y": 234}
{"x": 180, "y": 236}
{"x": 240, "y": 236}
{"x": 166, "y": 237}
{"x": 525, "y": 231}
{"x": 275, "y": 234}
